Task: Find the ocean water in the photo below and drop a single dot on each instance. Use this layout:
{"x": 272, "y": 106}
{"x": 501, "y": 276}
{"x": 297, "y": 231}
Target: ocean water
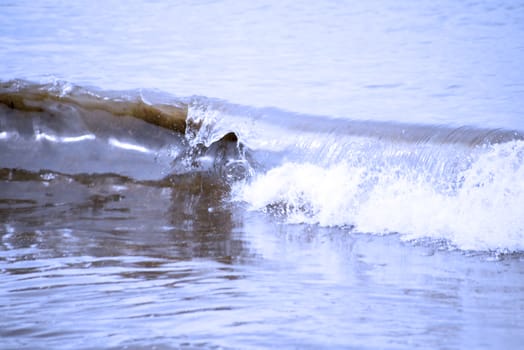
{"x": 245, "y": 175}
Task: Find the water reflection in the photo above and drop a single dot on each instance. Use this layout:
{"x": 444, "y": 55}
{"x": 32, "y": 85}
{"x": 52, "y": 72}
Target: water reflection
{"x": 173, "y": 264}
{"x": 86, "y": 253}
{"x": 181, "y": 218}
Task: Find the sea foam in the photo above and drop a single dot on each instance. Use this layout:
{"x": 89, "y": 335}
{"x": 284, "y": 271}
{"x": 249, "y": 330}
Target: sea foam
{"x": 481, "y": 208}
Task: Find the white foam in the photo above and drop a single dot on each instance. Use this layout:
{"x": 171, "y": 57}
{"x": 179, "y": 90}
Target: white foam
{"x": 485, "y": 211}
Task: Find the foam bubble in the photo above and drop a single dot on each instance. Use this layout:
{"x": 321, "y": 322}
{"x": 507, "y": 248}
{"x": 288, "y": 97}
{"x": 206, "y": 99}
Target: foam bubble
{"x": 307, "y": 192}
{"x": 484, "y": 211}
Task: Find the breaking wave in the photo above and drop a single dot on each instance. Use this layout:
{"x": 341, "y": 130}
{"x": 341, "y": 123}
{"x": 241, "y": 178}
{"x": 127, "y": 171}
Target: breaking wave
{"x": 462, "y": 185}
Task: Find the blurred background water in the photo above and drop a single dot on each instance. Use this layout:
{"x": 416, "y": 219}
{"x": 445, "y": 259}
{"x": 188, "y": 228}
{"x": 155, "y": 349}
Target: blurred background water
{"x": 447, "y": 62}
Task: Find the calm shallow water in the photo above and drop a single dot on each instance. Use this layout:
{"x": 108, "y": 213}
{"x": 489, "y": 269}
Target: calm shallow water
{"x": 309, "y": 224}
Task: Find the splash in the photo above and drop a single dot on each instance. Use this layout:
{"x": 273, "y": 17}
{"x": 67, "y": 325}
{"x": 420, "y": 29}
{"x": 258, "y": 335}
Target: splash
{"x": 481, "y": 208}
